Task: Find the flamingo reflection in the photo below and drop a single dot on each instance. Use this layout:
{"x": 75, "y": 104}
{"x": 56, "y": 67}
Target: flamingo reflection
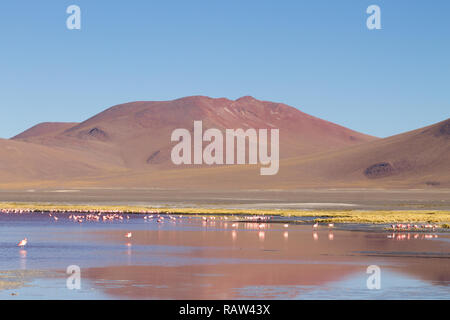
{"x": 261, "y": 235}
{"x": 23, "y": 259}
{"x": 234, "y": 235}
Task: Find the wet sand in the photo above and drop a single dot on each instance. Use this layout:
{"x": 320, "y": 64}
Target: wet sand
{"x": 14, "y": 279}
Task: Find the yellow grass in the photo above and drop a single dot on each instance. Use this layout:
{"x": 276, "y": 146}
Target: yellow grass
{"x": 337, "y": 216}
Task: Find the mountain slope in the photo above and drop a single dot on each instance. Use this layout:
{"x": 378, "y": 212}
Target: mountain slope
{"x": 415, "y": 159}
{"x": 44, "y": 129}
{"x": 23, "y": 163}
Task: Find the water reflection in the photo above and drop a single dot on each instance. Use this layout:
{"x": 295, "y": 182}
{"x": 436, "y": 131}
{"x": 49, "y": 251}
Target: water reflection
{"x": 261, "y": 235}
{"x": 409, "y": 236}
{"x": 23, "y": 259}
{"x": 234, "y": 235}
{"x": 129, "y": 252}
{"x": 188, "y": 260}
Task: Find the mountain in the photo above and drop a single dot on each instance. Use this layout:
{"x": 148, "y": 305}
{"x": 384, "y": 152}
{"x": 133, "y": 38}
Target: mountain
{"x": 137, "y": 134}
{"x": 129, "y": 146}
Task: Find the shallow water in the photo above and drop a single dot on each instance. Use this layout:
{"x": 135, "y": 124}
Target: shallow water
{"x": 192, "y": 259}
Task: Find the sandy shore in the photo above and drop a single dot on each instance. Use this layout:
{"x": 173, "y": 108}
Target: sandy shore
{"x": 441, "y": 217}
{"x": 15, "y": 279}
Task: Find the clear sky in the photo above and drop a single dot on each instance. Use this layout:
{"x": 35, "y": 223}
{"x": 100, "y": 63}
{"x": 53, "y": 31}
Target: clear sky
{"x": 315, "y": 55}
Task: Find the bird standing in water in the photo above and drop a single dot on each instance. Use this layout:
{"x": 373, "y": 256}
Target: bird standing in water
{"x": 23, "y": 243}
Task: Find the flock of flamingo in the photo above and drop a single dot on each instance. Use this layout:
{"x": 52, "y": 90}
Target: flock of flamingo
{"x": 252, "y": 222}
{"x": 408, "y": 227}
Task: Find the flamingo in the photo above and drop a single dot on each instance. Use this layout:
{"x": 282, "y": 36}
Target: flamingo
{"x": 128, "y": 235}
{"x": 286, "y": 225}
{"x": 330, "y": 225}
{"x": 23, "y": 243}
{"x": 315, "y": 225}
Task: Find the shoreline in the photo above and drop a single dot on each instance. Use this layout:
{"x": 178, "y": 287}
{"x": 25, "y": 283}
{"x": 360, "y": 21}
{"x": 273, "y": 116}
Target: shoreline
{"x": 344, "y": 216}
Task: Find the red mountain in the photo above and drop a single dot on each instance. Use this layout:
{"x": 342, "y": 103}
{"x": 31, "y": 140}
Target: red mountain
{"x": 137, "y": 134}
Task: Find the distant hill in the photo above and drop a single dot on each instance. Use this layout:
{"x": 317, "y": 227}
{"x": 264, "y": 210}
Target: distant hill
{"x": 419, "y": 158}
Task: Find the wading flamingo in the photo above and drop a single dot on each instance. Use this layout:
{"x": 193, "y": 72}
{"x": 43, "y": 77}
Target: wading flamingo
{"x": 23, "y": 243}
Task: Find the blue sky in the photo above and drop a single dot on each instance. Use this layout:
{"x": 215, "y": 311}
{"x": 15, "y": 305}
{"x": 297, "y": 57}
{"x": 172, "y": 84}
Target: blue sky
{"x": 316, "y": 55}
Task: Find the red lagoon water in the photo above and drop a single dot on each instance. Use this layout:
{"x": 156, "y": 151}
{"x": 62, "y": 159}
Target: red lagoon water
{"x": 189, "y": 258}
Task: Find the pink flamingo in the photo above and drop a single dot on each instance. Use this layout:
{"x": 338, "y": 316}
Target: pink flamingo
{"x": 315, "y": 225}
{"x": 23, "y": 243}
{"x": 128, "y": 235}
